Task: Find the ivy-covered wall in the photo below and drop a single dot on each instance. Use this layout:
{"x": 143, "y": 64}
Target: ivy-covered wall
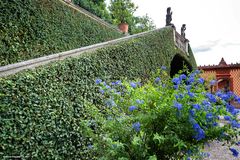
{"x": 42, "y": 110}
{"x": 33, "y": 28}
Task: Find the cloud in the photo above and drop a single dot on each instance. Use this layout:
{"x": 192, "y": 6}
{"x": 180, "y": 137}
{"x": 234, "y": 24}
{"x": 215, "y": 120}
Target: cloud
{"x": 201, "y": 49}
{"x": 206, "y": 47}
{"x": 230, "y": 44}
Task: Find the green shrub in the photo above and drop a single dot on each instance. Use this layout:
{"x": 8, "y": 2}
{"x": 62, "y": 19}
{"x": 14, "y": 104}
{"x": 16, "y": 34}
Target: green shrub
{"x": 163, "y": 119}
{"x": 42, "y": 109}
{"x": 33, "y": 28}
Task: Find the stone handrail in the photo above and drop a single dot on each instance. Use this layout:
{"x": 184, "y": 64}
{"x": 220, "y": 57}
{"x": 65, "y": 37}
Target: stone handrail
{"x": 33, "y": 63}
{"x": 181, "y": 42}
{"x": 90, "y": 15}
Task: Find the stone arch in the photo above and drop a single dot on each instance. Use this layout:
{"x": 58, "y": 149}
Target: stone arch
{"x": 178, "y": 63}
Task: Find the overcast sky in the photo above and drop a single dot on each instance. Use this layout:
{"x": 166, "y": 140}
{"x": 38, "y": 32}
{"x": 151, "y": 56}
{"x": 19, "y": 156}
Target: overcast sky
{"x": 213, "y": 26}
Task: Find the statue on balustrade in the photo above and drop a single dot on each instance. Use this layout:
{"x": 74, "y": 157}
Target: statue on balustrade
{"x": 169, "y": 18}
{"x": 183, "y": 29}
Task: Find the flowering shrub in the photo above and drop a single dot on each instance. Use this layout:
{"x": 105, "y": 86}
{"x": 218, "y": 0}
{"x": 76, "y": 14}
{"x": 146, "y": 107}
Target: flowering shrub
{"x": 164, "y": 118}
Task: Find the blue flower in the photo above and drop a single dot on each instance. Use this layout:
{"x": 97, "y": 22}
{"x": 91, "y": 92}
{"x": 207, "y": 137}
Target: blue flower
{"x": 218, "y": 93}
{"x": 113, "y": 83}
{"x": 176, "y": 80}
{"x": 191, "y": 94}
{"x": 188, "y": 87}
{"x": 118, "y": 82}
{"x": 175, "y": 86}
{"x": 211, "y": 97}
{"x": 201, "y": 80}
{"x": 190, "y": 80}
{"x": 98, "y": 81}
{"x": 235, "y": 124}
{"x": 139, "y": 101}
{"x": 227, "y": 118}
{"x": 209, "y": 116}
{"x": 230, "y": 108}
{"x": 157, "y": 80}
{"x": 234, "y": 152}
{"x": 192, "y": 112}
{"x": 206, "y": 104}
{"x": 196, "y": 126}
{"x": 179, "y": 96}
{"x": 132, "y": 108}
{"x": 224, "y": 97}
{"x": 238, "y": 100}
{"x": 182, "y": 76}
{"x": 101, "y": 91}
{"x": 133, "y": 85}
{"x": 136, "y": 126}
{"x": 108, "y": 87}
{"x": 200, "y": 134}
{"x": 178, "y": 105}
{"x": 213, "y": 82}
{"x": 163, "y": 67}
{"x": 197, "y": 106}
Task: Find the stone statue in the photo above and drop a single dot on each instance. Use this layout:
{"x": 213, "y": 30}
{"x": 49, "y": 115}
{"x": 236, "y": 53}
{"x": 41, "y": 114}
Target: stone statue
{"x": 169, "y": 18}
{"x": 183, "y": 29}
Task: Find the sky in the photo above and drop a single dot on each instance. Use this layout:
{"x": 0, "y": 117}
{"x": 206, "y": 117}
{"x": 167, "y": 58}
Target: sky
{"x": 213, "y": 26}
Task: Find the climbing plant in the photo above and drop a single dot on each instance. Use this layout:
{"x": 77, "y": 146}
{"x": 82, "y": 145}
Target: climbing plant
{"x": 33, "y": 28}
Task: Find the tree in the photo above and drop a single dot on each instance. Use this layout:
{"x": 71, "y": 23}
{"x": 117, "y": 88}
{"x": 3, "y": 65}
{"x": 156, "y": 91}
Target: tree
{"x": 97, "y": 7}
{"x": 122, "y": 11}
{"x": 141, "y": 24}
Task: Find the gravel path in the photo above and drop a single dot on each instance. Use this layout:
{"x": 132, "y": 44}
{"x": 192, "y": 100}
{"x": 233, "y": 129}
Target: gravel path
{"x": 219, "y": 152}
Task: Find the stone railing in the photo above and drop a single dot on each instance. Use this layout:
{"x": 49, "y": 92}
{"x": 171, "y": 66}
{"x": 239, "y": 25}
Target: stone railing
{"x": 181, "y": 42}
{"x": 90, "y": 15}
{"x": 33, "y": 63}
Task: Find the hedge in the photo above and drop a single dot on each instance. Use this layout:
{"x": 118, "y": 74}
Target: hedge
{"x": 33, "y": 28}
{"x": 42, "y": 110}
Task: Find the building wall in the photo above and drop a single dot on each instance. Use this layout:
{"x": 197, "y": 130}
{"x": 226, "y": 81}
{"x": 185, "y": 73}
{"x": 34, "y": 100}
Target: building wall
{"x": 209, "y": 75}
{"x": 235, "y": 74}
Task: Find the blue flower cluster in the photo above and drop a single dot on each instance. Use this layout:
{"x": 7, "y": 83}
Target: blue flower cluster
{"x": 200, "y": 134}
{"x": 234, "y": 152}
{"x": 136, "y": 126}
{"x": 132, "y": 108}
{"x": 178, "y": 105}
{"x": 189, "y": 101}
{"x": 211, "y": 97}
{"x": 157, "y": 80}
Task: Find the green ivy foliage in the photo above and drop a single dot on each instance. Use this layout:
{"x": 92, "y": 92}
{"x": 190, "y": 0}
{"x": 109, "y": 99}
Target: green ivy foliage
{"x": 43, "y": 111}
{"x": 33, "y": 28}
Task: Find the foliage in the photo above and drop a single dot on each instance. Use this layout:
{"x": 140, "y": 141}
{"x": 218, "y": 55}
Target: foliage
{"x": 141, "y": 24}
{"x": 41, "y": 109}
{"x": 33, "y": 28}
{"x": 164, "y": 119}
{"x": 97, "y": 7}
{"x": 122, "y": 11}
